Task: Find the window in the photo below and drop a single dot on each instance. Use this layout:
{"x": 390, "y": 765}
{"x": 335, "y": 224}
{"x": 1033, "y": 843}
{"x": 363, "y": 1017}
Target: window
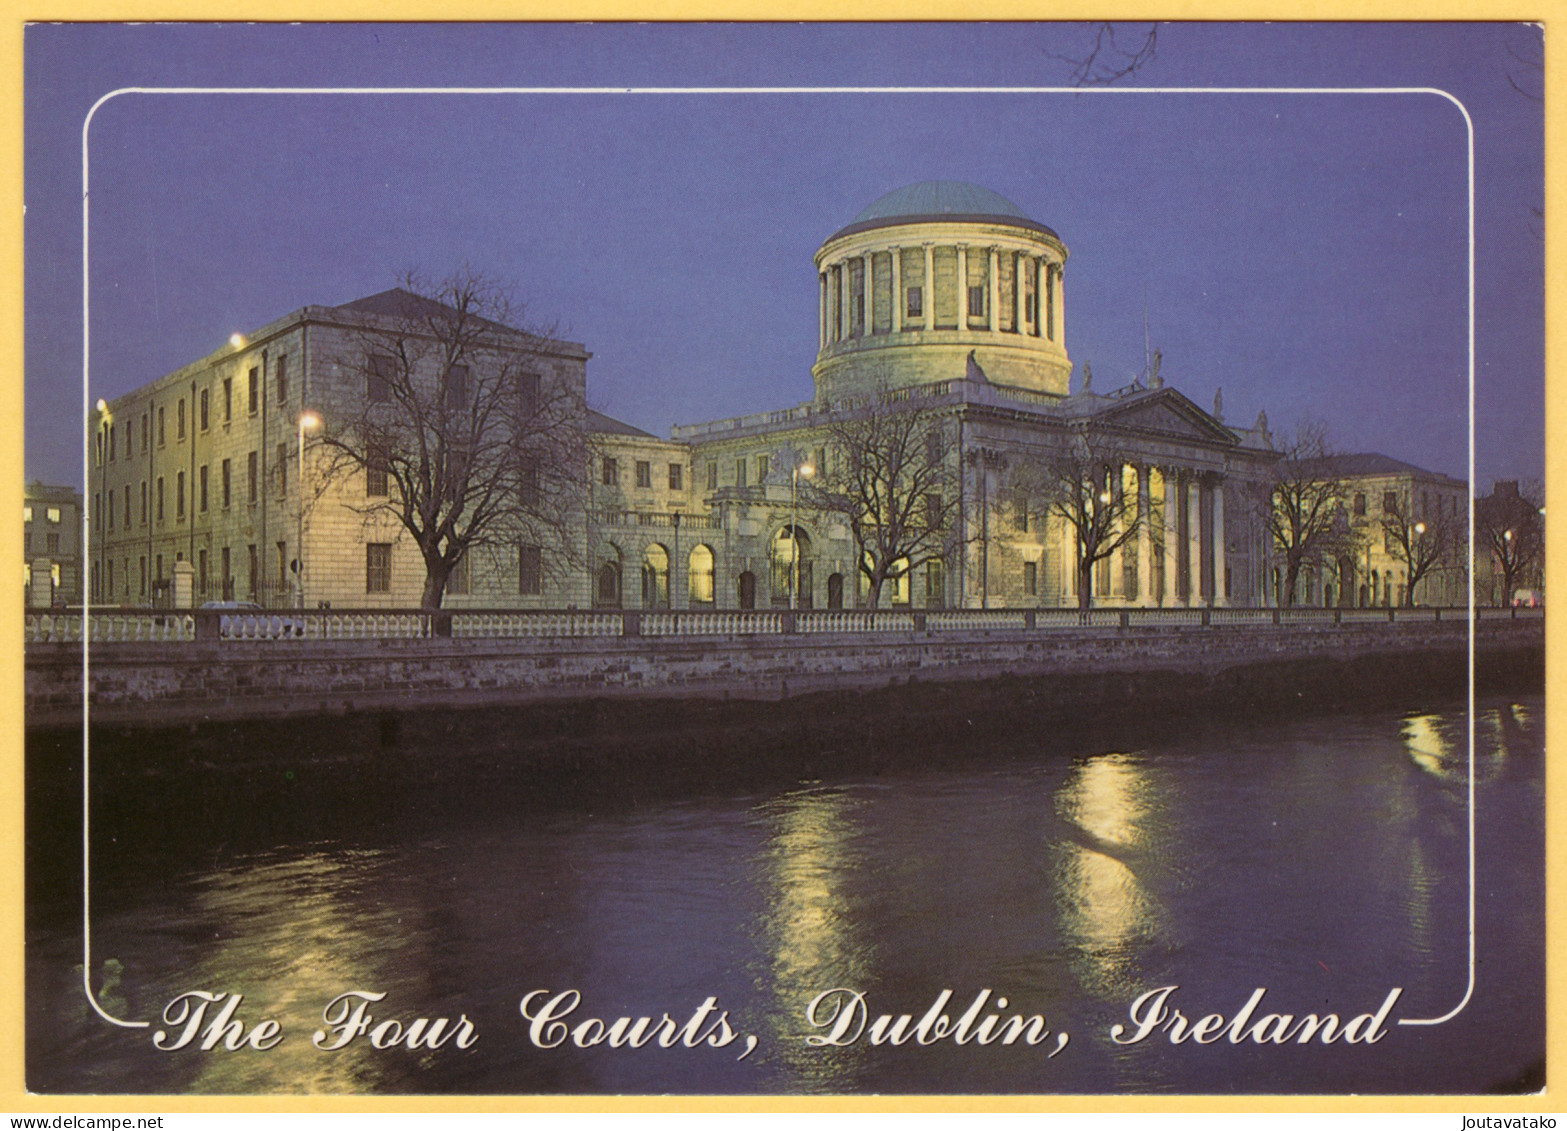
{"x": 916, "y": 307}
{"x": 378, "y": 379}
{"x": 528, "y": 484}
{"x": 179, "y": 496}
{"x": 933, "y": 510}
{"x": 127, "y": 456}
{"x": 228, "y": 573}
{"x": 454, "y": 387}
{"x": 253, "y": 389}
{"x": 143, "y": 561}
{"x": 111, "y": 510}
{"x": 160, "y": 500}
{"x": 1031, "y": 579}
{"x": 160, "y": 426}
{"x": 976, "y": 302}
{"x": 282, "y": 469}
{"x": 179, "y": 427}
{"x": 712, "y": 475}
{"x": 1389, "y": 502}
{"x": 761, "y": 469}
{"x": 527, "y": 395}
{"x": 935, "y": 582}
{"x": 97, "y": 508}
{"x": 144, "y": 502}
{"x": 202, "y": 482}
{"x": 375, "y": 472}
{"x": 203, "y": 413}
{"x": 530, "y": 571}
{"x": 145, "y": 431}
{"x": 127, "y": 505}
{"x": 282, "y": 565}
{"x": 378, "y": 567}
{"x": 1020, "y": 512}
{"x": 27, "y": 514}
{"x": 228, "y": 399}
{"x": 740, "y": 472}
{"x": 281, "y": 377}
{"x": 27, "y": 543}
{"x": 51, "y": 543}
{"x": 111, "y": 444}
{"x": 1360, "y": 504}
{"x": 459, "y": 583}
{"x": 676, "y": 477}
{"x": 201, "y": 572}
{"x": 644, "y": 473}
{"x": 611, "y": 472}
{"x": 228, "y": 481}
{"x": 52, "y": 514}
{"x": 255, "y": 570}
{"x": 250, "y": 477}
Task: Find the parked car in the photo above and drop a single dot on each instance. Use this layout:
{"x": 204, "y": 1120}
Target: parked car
{"x": 248, "y": 620}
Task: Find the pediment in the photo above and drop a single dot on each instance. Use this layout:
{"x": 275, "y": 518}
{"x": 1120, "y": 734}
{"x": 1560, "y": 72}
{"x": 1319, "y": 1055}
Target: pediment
{"x": 1168, "y": 414}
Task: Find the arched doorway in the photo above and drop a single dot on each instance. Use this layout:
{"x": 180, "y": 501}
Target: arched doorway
{"x": 835, "y": 591}
{"x": 791, "y": 572}
{"x": 747, "y": 590}
{"x": 699, "y": 576}
{"x": 655, "y": 577}
{"x": 606, "y": 581}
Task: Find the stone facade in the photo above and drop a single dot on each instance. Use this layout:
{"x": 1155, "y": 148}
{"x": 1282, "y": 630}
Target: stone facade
{"x": 51, "y": 545}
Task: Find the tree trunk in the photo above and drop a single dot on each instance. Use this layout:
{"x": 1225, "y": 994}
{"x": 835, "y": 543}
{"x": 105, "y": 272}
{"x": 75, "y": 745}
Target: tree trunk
{"x": 1085, "y": 585}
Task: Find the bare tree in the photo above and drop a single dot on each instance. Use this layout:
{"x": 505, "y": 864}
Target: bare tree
{"x": 892, "y": 475}
{"x": 461, "y": 430}
{"x": 1510, "y": 527}
{"x": 1304, "y": 506}
{"x": 1108, "y": 59}
{"x": 1423, "y": 545}
{"x": 1082, "y": 482}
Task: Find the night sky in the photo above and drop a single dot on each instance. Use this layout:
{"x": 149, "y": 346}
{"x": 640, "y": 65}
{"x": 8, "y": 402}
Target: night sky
{"x": 1306, "y": 253}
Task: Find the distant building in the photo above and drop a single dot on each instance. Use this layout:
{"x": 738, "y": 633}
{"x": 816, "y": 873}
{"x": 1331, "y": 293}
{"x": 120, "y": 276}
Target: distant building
{"x": 51, "y": 545}
{"x": 1509, "y": 522}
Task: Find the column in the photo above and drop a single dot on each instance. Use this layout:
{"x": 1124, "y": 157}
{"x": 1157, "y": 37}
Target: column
{"x": 896, "y": 289}
{"x": 870, "y": 293}
{"x": 822, "y": 315}
{"x": 1117, "y": 586}
{"x": 1194, "y": 541}
{"x": 962, "y": 286}
{"x": 1060, "y": 323}
{"x": 1216, "y": 494}
{"x": 992, "y": 317}
{"x": 1172, "y": 535}
{"x": 930, "y": 287}
{"x": 832, "y": 302}
{"x": 1144, "y": 537}
{"x": 1068, "y": 561}
{"x": 1019, "y": 289}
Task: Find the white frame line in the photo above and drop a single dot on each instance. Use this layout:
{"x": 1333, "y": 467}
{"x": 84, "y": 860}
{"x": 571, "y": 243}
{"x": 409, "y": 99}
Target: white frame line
{"x": 738, "y": 90}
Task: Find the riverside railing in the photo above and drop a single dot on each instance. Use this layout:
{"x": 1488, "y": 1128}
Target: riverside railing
{"x": 154, "y": 626}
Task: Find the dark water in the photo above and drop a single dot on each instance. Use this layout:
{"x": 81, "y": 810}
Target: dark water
{"x": 1321, "y": 858}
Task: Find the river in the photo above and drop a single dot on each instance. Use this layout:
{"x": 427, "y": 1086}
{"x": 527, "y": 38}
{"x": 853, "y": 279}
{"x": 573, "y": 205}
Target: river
{"x": 1320, "y": 858}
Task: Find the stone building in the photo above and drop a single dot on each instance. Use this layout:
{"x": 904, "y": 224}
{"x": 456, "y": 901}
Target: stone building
{"x": 51, "y": 545}
{"x": 941, "y": 299}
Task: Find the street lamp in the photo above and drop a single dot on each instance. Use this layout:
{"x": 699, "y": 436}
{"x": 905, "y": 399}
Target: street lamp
{"x": 808, "y": 470}
{"x": 105, "y": 418}
{"x": 307, "y": 419}
{"x": 1420, "y": 528}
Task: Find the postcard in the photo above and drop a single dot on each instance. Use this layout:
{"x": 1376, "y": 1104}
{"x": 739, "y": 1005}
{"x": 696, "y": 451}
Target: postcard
{"x": 785, "y": 560}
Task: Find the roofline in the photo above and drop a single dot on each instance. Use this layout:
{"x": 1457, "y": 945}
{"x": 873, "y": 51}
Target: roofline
{"x": 945, "y": 218}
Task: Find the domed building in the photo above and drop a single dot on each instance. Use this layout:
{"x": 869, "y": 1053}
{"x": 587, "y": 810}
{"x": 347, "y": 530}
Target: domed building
{"x": 942, "y": 313}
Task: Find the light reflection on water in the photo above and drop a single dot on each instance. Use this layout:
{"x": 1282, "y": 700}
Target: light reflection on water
{"x": 1322, "y": 859}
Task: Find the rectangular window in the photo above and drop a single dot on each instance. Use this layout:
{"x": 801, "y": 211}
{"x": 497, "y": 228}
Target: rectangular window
{"x": 530, "y": 571}
{"x": 1020, "y": 512}
{"x": 712, "y": 475}
{"x": 228, "y": 483}
{"x": 127, "y": 506}
{"x": 676, "y": 477}
{"x": 281, "y": 378}
{"x": 52, "y": 514}
{"x": 1389, "y": 502}
{"x": 253, "y": 388}
{"x": 1031, "y": 579}
{"x": 378, "y": 379}
{"x": 644, "y": 473}
{"x": 179, "y": 427}
{"x": 740, "y": 472}
{"x": 179, "y": 496}
{"x": 112, "y": 450}
{"x": 143, "y": 561}
{"x": 250, "y": 477}
{"x": 27, "y": 514}
{"x": 933, "y": 508}
{"x": 144, "y": 502}
{"x": 976, "y": 302}
{"x": 611, "y": 472}
{"x": 160, "y": 500}
{"x": 109, "y": 588}
{"x": 201, "y": 480}
{"x": 228, "y": 399}
{"x": 916, "y": 307}
{"x": 527, "y": 395}
{"x": 145, "y": 431}
{"x": 97, "y": 508}
{"x": 201, "y": 572}
{"x": 1360, "y": 503}
{"x": 203, "y": 414}
{"x": 51, "y": 543}
{"x": 454, "y": 388}
{"x": 160, "y": 426}
{"x": 111, "y": 510}
{"x": 528, "y": 484}
{"x": 282, "y": 469}
{"x": 375, "y": 473}
{"x": 282, "y": 566}
{"x": 459, "y": 583}
{"x": 254, "y": 576}
{"x": 228, "y": 574}
{"x": 128, "y": 433}
{"x": 761, "y": 470}
{"x": 378, "y": 567}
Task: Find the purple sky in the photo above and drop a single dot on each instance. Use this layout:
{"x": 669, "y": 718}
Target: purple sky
{"x": 1305, "y": 252}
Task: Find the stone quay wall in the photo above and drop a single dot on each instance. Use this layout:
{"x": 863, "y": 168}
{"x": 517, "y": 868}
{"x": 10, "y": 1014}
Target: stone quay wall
{"x": 159, "y": 684}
